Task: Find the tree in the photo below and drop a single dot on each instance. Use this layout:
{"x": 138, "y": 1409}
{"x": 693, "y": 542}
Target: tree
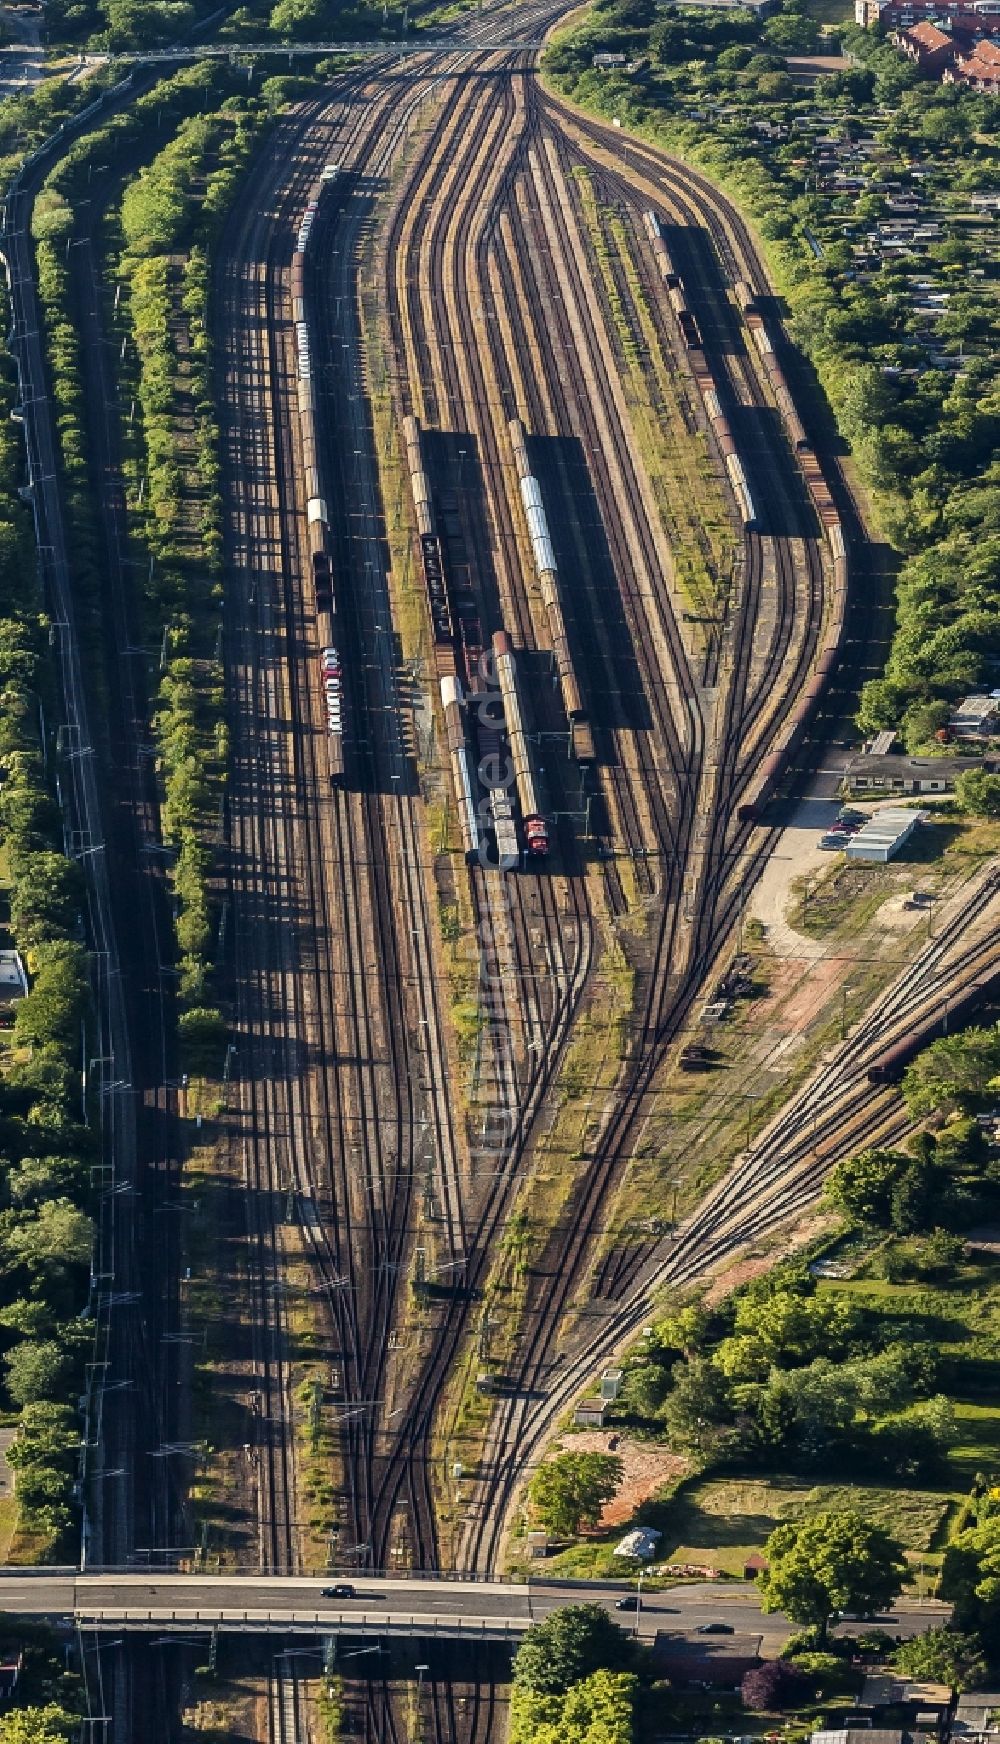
{"x": 978, "y": 792}
{"x": 862, "y": 1186}
{"x": 567, "y": 1646}
{"x": 48, "y": 1725}
{"x": 944, "y": 1656}
{"x": 770, "y": 1685}
{"x": 55, "y": 1007}
{"x": 203, "y": 1033}
{"x": 46, "y": 899}
{"x": 955, "y": 1071}
{"x": 47, "y": 1243}
{"x": 571, "y": 1490}
{"x": 835, "y": 1561}
{"x": 597, "y": 1710}
{"x": 35, "y": 1371}
{"x": 701, "y": 1402}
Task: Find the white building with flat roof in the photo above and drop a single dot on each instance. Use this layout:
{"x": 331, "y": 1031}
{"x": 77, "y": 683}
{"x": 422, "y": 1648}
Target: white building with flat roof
{"x": 884, "y": 834}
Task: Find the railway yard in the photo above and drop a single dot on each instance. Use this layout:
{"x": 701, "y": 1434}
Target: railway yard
{"x": 538, "y": 599}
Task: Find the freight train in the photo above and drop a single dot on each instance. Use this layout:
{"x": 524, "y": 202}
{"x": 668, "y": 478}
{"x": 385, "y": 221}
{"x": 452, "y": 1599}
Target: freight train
{"x": 329, "y": 671}
{"x": 692, "y": 341}
{"x": 446, "y": 642}
{"x": 889, "y": 1067}
{"x": 530, "y": 789}
{"x": 545, "y": 568}
{"x": 775, "y": 766}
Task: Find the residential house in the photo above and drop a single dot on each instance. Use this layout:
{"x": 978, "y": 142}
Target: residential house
{"x": 926, "y": 45}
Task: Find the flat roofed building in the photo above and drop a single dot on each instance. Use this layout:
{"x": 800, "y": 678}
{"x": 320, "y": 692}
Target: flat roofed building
{"x": 976, "y": 716}
{"x": 883, "y": 835}
{"x": 13, "y": 980}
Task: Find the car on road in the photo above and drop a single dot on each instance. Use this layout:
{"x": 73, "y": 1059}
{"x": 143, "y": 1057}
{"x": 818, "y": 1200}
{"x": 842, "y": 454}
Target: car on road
{"x": 715, "y": 1629}
{"x": 341, "y": 1591}
{"x": 832, "y": 842}
{"x": 629, "y": 1603}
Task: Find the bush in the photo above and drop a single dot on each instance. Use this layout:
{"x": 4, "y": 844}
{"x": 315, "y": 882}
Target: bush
{"x": 772, "y": 1685}
{"x": 203, "y": 1034}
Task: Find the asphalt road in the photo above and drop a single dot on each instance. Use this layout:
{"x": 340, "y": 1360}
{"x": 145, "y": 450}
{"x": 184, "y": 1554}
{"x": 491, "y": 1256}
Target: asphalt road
{"x": 402, "y": 1603}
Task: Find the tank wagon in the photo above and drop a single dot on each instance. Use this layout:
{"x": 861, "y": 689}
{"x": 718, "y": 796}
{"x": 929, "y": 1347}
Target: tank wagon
{"x": 774, "y": 767}
{"x": 330, "y": 673}
{"x": 691, "y": 339}
{"x": 889, "y": 1067}
{"x": 530, "y": 789}
{"x": 545, "y": 568}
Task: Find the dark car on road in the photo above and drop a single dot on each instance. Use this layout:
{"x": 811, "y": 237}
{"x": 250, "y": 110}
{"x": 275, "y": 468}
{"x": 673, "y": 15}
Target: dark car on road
{"x": 343, "y": 1591}
{"x": 715, "y": 1629}
{"x": 629, "y": 1603}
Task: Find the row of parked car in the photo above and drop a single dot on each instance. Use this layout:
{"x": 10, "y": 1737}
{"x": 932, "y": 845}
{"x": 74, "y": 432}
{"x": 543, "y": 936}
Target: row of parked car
{"x": 848, "y": 822}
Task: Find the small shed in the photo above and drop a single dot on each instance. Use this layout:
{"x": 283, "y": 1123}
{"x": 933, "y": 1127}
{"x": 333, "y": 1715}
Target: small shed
{"x": 10, "y": 1675}
{"x": 590, "y": 1414}
{"x": 611, "y": 1384}
{"x": 754, "y": 1565}
{"x": 861, "y": 1735}
{"x": 884, "y": 834}
{"x": 888, "y": 1689}
{"x": 977, "y": 1717}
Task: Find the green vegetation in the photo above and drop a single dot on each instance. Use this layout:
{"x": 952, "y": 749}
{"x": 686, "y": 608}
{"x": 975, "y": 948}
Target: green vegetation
{"x": 169, "y": 215}
{"x": 831, "y": 1563}
{"x": 903, "y": 342}
{"x": 48, "y": 1725}
{"x": 943, "y": 1656}
{"x": 597, "y": 1710}
{"x": 570, "y": 1491}
{"x": 46, "y": 1232}
{"x": 571, "y": 1683}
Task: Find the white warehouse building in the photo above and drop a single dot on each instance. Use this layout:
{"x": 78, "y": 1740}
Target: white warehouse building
{"x": 884, "y": 833}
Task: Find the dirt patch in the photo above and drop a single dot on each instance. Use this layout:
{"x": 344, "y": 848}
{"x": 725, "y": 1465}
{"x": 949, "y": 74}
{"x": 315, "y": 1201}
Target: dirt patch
{"x": 816, "y": 983}
{"x": 647, "y": 1469}
{"x": 755, "y": 1265}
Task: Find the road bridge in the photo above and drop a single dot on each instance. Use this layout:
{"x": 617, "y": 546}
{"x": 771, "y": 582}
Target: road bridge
{"x": 392, "y": 47}
{"x": 387, "y": 1606}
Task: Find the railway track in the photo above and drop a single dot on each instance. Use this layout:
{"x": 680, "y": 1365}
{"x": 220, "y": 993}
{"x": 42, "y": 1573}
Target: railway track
{"x": 545, "y": 309}
{"x": 346, "y": 1122}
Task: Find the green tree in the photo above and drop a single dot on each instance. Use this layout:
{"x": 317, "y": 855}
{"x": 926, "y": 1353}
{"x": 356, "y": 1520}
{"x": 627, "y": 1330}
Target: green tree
{"x": 48, "y": 1725}
{"x": 700, "y": 1404}
{"x": 597, "y": 1710}
{"x": 35, "y": 1371}
{"x": 46, "y": 1243}
{"x": 568, "y": 1646}
{"x": 55, "y": 1007}
{"x": 831, "y": 1562}
{"x": 944, "y": 1656}
{"x": 569, "y": 1491}
{"x": 979, "y": 793}
{"x": 861, "y": 1187}
{"x": 954, "y": 1072}
{"x": 203, "y": 1039}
